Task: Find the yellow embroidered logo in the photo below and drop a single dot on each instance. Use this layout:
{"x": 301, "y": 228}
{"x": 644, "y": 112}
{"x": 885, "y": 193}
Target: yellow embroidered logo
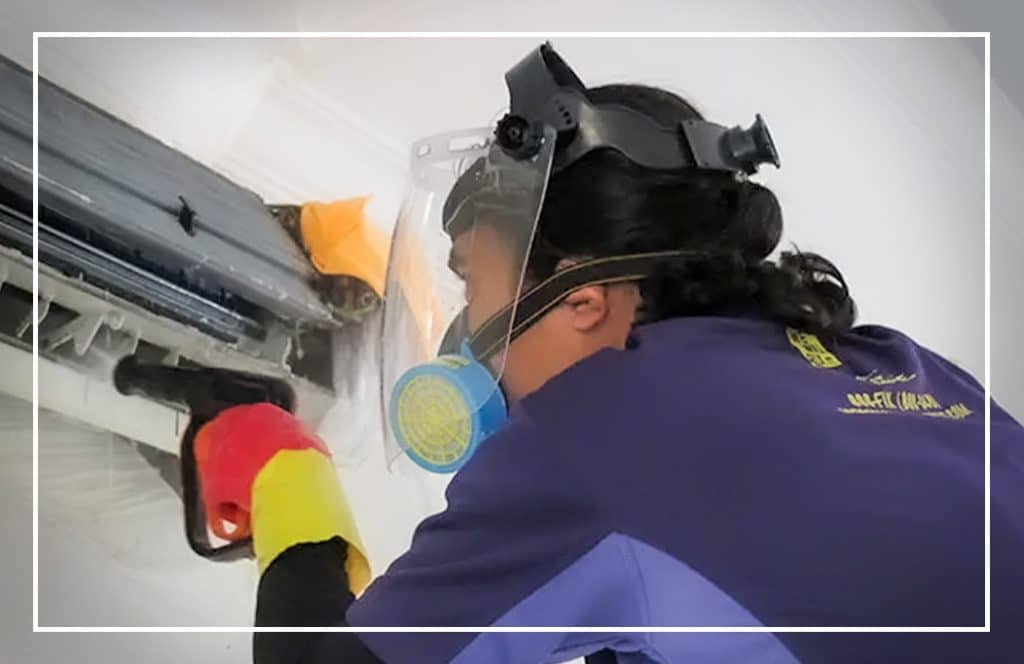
{"x": 885, "y": 401}
{"x": 812, "y": 349}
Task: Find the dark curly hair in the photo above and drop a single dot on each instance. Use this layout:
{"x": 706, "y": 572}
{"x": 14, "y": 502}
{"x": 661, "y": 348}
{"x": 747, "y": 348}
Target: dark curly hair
{"x": 604, "y": 205}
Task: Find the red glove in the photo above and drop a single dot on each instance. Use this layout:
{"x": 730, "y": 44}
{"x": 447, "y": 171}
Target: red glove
{"x": 264, "y": 473}
{"x": 232, "y": 449}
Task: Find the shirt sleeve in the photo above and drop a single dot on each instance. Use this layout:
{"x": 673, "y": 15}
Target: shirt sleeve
{"x": 516, "y": 519}
{"x": 307, "y": 586}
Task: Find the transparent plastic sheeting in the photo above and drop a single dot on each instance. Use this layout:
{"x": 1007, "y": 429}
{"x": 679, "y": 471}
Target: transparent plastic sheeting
{"x": 388, "y": 505}
{"x": 86, "y": 476}
{"x": 110, "y": 518}
{"x": 111, "y": 551}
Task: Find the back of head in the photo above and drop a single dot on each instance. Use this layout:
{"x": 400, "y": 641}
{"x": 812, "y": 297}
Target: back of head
{"x": 606, "y": 205}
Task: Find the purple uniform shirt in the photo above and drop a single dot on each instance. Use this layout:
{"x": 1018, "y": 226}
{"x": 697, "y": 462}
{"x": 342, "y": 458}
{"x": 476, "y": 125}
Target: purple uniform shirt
{"x": 723, "y": 471}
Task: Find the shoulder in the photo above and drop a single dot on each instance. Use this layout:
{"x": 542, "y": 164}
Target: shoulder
{"x": 926, "y": 357}
{"x": 526, "y": 463}
{"x": 686, "y": 360}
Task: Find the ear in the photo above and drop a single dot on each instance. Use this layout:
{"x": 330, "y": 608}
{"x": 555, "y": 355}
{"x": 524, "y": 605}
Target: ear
{"x": 589, "y": 307}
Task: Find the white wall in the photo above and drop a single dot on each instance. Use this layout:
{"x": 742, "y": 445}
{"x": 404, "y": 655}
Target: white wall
{"x": 1007, "y": 272}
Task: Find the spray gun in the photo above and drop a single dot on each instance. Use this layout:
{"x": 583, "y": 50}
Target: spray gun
{"x": 205, "y": 392}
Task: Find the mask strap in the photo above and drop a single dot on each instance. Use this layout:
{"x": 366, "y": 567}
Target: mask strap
{"x": 501, "y": 328}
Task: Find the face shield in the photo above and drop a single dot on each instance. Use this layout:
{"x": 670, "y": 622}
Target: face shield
{"x": 455, "y": 296}
{"x": 458, "y": 257}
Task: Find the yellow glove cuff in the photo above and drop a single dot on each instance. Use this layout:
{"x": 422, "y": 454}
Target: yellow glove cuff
{"x": 297, "y": 499}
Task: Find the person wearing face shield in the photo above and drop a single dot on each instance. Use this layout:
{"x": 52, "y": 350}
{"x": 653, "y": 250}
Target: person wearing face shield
{"x": 650, "y": 421}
